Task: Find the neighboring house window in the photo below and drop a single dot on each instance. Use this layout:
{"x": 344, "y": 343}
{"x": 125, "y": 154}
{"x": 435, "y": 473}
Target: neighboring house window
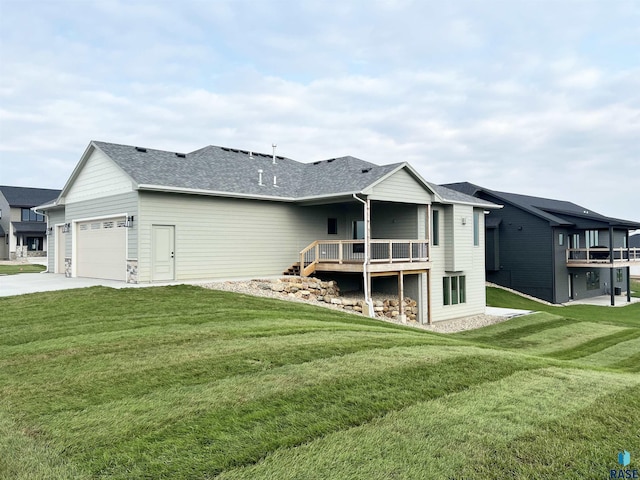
{"x": 624, "y": 242}
{"x": 454, "y": 290}
{"x": 592, "y": 238}
{"x": 476, "y": 228}
{"x": 561, "y": 239}
{"x": 435, "y": 230}
{"x": 29, "y": 215}
{"x": 593, "y": 280}
{"x": 34, "y": 244}
{"x": 619, "y": 275}
{"x": 332, "y": 226}
{"x": 575, "y": 242}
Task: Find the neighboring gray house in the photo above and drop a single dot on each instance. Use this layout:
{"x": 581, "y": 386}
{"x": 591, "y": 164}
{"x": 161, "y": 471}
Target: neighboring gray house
{"x": 143, "y": 215}
{"x": 23, "y": 231}
{"x": 555, "y": 250}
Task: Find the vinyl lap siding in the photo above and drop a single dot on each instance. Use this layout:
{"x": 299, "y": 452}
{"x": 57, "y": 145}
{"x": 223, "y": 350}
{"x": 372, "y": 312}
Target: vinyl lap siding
{"x": 458, "y": 251}
{"x": 101, "y": 207}
{"x": 526, "y": 253}
{"x": 400, "y": 187}
{"x": 228, "y": 238}
{"x": 54, "y": 217}
{"x": 394, "y": 221}
{"x": 99, "y": 177}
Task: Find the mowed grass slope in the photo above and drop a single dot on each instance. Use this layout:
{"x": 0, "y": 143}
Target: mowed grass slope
{"x": 183, "y": 382}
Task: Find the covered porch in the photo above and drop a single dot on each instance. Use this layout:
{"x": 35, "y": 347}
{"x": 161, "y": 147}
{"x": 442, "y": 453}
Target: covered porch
{"x": 376, "y": 238}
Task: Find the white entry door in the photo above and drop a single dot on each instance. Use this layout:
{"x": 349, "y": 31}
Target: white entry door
{"x": 163, "y": 253}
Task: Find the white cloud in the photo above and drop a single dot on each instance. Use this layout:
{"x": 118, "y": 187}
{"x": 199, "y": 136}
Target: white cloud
{"x": 516, "y": 98}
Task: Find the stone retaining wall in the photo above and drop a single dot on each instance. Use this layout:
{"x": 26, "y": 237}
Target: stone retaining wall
{"x": 316, "y": 290}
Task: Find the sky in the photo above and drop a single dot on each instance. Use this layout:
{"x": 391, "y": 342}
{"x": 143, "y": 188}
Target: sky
{"x": 533, "y": 97}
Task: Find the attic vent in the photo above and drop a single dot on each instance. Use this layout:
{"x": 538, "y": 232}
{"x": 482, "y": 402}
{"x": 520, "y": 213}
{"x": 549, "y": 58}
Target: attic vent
{"x": 226, "y": 149}
{"x": 316, "y": 163}
{"x": 181, "y": 155}
{"x": 279, "y": 157}
{"x": 366, "y": 170}
{"x": 140, "y": 149}
{"x": 330, "y": 160}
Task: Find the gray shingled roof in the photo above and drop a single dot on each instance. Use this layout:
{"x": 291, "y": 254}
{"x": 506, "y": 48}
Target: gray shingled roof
{"x": 454, "y": 196}
{"x": 26, "y": 197}
{"x": 219, "y": 169}
{"x": 554, "y": 211}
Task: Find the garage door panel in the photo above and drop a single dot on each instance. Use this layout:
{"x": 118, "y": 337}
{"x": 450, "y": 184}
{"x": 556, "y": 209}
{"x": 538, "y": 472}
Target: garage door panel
{"x": 101, "y": 249}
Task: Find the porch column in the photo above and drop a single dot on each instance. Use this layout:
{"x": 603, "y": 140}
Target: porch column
{"x": 628, "y": 284}
{"x": 401, "y": 314}
{"x": 613, "y": 296}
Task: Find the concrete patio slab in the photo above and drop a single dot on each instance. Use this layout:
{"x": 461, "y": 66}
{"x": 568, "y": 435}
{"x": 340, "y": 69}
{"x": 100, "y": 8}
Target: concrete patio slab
{"x": 45, "y": 282}
{"x": 506, "y": 312}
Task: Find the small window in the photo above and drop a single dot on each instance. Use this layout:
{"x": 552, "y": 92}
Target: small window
{"x": 435, "y": 231}
{"x": 463, "y": 289}
{"x": 332, "y": 226}
{"x": 446, "y": 290}
{"x": 561, "y": 239}
{"x": 454, "y": 291}
{"x": 476, "y": 228}
{"x": 592, "y": 238}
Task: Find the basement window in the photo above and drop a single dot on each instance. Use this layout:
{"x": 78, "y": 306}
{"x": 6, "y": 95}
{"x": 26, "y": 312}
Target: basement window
{"x": 332, "y": 226}
{"x": 454, "y": 290}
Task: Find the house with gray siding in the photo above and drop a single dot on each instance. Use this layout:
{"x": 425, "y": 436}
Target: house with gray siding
{"x": 555, "y": 250}
{"x": 144, "y": 215}
{"x": 23, "y": 231}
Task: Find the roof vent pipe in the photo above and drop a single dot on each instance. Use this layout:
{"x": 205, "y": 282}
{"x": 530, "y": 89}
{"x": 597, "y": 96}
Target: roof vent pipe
{"x": 250, "y": 154}
{"x": 273, "y": 145}
{"x": 275, "y": 183}
{"x": 260, "y": 178}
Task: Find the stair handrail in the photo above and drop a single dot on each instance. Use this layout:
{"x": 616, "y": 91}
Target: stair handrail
{"x": 306, "y": 270}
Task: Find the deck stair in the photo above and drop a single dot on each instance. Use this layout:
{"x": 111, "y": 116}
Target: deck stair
{"x": 293, "y": 270}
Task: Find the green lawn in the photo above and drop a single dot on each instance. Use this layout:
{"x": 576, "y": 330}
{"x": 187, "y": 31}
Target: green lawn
{"x": 23, "y": 268}
{"x": 183, "y": 382}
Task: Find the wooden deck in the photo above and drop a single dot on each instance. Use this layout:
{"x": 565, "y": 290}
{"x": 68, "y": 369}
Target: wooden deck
{"x": 385, "y": 256}
{"x": 600, "y": 257}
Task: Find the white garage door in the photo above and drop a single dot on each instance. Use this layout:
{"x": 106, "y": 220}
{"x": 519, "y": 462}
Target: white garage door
{"x": 101, "y": 249}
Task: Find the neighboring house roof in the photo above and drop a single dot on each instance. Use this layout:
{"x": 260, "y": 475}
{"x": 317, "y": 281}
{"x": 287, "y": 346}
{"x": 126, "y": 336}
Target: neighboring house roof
{"x": 556, "y": 212}
{"x": 634, "y": 241}
{"x": 453, "y": 196}
{"x": 26, "y": 197}
{"x": 29, "y": 227}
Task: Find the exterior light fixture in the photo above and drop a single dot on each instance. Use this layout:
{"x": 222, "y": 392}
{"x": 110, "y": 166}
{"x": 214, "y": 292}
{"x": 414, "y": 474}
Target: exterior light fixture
{"x": 129, "y": 222}
{"x": 49, "y": 230}
{"x": 66, "y": 228}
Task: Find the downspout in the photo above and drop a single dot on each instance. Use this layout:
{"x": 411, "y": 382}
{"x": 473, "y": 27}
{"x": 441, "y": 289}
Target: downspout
{"x": 367, "y": 296}
{"x": 46, "y": 270}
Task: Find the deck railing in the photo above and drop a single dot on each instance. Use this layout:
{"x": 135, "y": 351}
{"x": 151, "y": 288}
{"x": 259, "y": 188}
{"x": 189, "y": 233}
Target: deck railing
{"x": 352, "y": 251}
{"x": 602, "y": 255}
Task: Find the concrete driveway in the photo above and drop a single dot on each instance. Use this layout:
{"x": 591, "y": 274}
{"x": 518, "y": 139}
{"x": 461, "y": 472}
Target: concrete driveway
{"x": 45, "y": 282}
